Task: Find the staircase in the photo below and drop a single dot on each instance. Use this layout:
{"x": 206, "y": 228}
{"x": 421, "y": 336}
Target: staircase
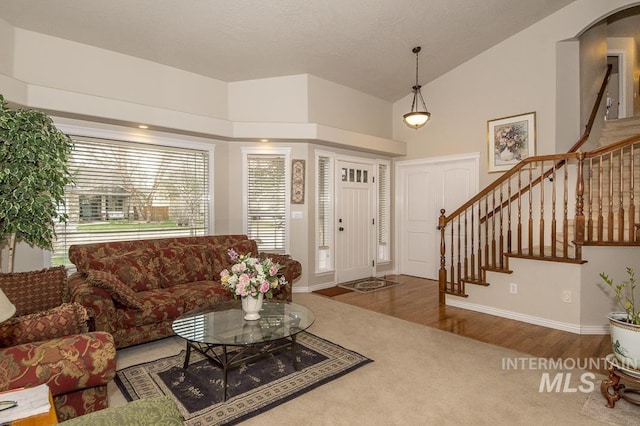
{"x": 617, "y": 130}
{"x": 547, "y": 208}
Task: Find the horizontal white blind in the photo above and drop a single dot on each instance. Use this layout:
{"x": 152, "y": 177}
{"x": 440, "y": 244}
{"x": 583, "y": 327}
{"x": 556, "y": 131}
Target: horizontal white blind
{"x": 324, "y": 203}
{"x": 127, "y": 191}
{"x": 383, "y": 204}
{"x": 266, "y": 201}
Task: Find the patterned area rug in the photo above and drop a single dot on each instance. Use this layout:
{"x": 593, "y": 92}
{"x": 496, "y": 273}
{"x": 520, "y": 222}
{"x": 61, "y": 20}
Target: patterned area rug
{"x": 254, "y": 387}
{"x": 367, "y": 285}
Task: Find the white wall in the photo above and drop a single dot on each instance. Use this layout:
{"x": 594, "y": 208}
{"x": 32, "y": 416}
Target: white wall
{"x": 568, "y": 95}
{"x": 540, "y": 298}
{"x": 275, "y": 100}
{"x": 76, "y": 80}
{"x": 61, "y": 64}
{"x": 103, "y": 88}
{"x": 6, "y": 48}
{"x": 355, "y": 111}
{"x": 593, "y": 60}
{"x": 308, "y": 99}
{"x": 10, "y": 88}
{"x": 516, "y": 76}
{"x": 627, "y": 47}
{"x": 597, "y": 298}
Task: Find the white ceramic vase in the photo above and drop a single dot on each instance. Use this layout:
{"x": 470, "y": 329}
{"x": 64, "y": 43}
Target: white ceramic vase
{"x": 625, "y": 340}
{"x": 251, "y": 307}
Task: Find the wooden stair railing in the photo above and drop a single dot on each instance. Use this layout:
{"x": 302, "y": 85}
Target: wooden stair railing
{"x": 540, "y": 223}
{"x": 476, "y": 251}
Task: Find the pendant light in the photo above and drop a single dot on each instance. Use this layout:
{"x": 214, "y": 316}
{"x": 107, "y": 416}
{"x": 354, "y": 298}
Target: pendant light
{"x": 415, "y": 118}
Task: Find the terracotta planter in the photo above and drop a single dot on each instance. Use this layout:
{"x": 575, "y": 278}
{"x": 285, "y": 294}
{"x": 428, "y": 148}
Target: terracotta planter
{"x": 625, "y": 340}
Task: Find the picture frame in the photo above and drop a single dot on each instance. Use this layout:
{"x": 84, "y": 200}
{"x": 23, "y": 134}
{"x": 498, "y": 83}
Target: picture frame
{"x": 510, "y": 140}
{"x": 297, "y": 181}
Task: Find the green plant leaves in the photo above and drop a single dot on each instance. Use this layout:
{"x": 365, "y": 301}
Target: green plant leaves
{"x": 625, "y": 294}
{"x": 33, "y": 175}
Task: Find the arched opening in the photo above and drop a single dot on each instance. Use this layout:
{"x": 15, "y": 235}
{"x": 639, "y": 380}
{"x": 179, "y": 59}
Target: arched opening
{"x": 616, "y": 39}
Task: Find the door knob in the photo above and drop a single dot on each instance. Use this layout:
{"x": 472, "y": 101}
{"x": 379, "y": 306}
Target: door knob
{"x": 341, "y": 229}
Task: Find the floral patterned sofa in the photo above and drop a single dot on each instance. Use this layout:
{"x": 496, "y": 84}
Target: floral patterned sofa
{"x": 46, "y": 341}
{"x": 135, "y": 289}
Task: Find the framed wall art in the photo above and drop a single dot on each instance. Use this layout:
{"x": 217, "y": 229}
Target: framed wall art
{"x": 297, "y": 181}
{"x": 510, "y": 140}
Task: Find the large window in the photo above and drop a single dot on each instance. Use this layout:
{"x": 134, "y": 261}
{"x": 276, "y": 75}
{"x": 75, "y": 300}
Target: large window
{"x": 125, "y": 190}
{"x": 324, "y": 212}
{"x": 267, "y": 199}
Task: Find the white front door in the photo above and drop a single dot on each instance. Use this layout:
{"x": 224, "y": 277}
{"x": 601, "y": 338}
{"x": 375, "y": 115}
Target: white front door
{"x": 423, "y": 189}
{"x": 355, "y": 227}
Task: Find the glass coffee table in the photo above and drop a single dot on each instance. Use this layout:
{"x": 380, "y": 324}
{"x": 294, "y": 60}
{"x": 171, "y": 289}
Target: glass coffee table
{"x": 214, "y": 332}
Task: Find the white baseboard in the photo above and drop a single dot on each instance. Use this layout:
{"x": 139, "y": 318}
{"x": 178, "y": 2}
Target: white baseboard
{"x": 530, "y": 319}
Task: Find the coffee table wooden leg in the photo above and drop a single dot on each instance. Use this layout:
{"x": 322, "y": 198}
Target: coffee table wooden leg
{"x": 613, "y": 383}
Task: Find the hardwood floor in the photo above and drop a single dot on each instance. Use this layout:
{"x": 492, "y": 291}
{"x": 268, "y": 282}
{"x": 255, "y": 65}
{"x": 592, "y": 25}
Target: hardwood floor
{"x": 416, "y": 300}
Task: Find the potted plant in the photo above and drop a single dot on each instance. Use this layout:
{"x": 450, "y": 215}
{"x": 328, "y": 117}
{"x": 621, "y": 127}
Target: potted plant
{"x": 33, "y": 176}
{"x": 625, "y": 326}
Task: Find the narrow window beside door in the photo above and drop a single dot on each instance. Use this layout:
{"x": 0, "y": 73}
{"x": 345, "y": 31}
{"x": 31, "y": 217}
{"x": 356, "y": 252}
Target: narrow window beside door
{"x": 324, "y": 210}
{"x": 267, "y": 201}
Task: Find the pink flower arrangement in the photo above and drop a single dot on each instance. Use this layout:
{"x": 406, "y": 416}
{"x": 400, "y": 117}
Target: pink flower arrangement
{"x": 250, "y": 276}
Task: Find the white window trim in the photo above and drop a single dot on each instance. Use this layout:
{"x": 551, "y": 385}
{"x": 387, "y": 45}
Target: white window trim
{"x": 332, "y": 188}
{"x": 286, "y": 152}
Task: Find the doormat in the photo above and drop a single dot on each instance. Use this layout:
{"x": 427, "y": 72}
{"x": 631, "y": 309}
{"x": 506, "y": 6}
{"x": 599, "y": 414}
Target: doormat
{"x": 367, "y": 285}
{"x": 253, "y": 387}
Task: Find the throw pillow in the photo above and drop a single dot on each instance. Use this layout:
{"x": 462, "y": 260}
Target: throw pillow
{"x": 119, "y": 291}
{"x": 35, "y": 291}
{"x": 184, "y": 264}
{"x": 64, "y": 320}
{"x": 136, "y": 269}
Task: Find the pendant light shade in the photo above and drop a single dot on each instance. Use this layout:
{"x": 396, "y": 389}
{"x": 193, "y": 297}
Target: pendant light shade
{"x": 417, "y": 118}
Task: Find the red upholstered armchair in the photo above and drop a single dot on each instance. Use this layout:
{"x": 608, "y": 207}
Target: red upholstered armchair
{"x": 46, "y": 341}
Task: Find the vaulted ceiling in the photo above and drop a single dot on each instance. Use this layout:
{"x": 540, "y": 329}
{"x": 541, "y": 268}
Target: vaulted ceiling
{"x": 362, "y": 44}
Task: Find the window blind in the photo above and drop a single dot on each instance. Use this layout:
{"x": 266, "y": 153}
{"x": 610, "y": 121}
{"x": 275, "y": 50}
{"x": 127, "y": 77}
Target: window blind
{"x": 383, "y": 204}
{"x": 266, "y": 201}
{"x": 324, "y": 203}
{"x": 127, "y": 191}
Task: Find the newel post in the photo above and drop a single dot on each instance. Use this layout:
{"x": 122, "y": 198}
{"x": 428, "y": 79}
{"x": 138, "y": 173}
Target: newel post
{"x": 579, "y": 222}
{"x": 442, "y": 273}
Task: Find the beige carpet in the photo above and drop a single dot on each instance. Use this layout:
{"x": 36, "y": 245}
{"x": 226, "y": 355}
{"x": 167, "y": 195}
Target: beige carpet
{"x": 421, "y": 376}
{"x": 623, "y": 413}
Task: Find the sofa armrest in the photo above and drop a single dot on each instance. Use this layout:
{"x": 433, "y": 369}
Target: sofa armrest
{"x": 64, "y": 320}
{"x": 66, "y": 364}
{"x": 98, "y": 303}
{"x": 291, "y": 269}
